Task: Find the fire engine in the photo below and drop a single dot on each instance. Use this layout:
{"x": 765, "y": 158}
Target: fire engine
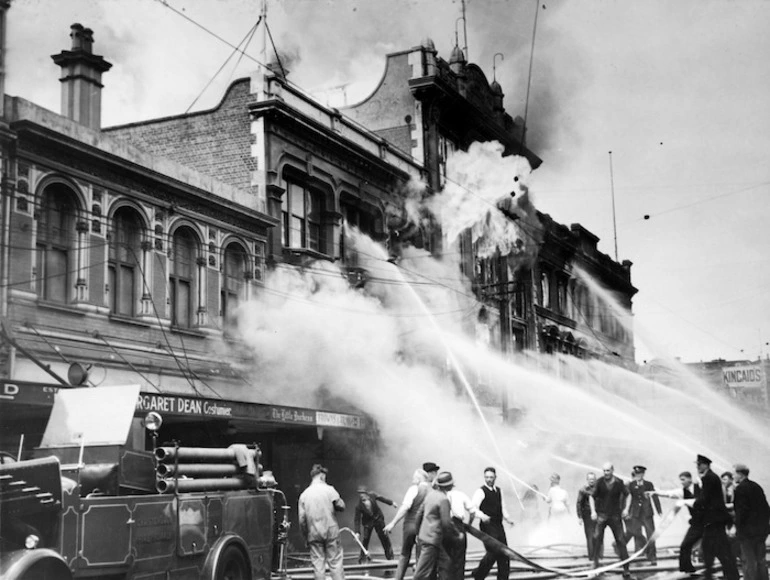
{"x": 89, "y": 504}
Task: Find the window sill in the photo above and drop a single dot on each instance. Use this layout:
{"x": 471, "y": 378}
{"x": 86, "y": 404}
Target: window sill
{"x": 60, "y": 307}
{"x": 294, "y": 255}
{"x": 187, "y": 331}
{"x": 123, "y": 319}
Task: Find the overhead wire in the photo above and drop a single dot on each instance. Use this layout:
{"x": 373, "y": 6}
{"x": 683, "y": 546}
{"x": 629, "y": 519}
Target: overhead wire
{"x": 249, "y": 35}
{"x": 130, "y": 365}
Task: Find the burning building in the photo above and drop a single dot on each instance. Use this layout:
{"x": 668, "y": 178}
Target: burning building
{"x": 129, "y": 251}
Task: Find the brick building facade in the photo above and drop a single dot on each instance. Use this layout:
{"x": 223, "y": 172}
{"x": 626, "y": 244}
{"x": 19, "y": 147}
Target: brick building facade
{"x": 127, "y": 248}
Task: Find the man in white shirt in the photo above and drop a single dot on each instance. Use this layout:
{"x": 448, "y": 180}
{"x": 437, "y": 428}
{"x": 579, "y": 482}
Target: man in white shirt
{"x": 410, "y": 506}
{"x": 687, "y": 495}
{"x": 489, "y": 502}
{"x": 463, "y": 512}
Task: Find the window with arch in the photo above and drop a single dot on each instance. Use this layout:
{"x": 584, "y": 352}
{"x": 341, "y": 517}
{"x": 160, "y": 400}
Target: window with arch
{"x": 56, "y": 242}
{"x": 184, "y": 257}
{"x": 545, "y": 288}
{"x": 235, "y": 266}
{"x": 301, "y": 210}
{"x": 124, "y": 265}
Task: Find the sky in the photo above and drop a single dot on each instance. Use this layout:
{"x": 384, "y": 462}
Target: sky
{"x": 676, "y": 91}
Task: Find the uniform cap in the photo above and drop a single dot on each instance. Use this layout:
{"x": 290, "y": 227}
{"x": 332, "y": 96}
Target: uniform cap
{"x": 703, "y": 459}
{"x": 429, "y": 466}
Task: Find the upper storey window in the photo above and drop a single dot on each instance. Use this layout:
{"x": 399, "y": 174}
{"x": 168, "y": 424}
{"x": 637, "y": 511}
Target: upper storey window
{"x": 56, "y": 243}
{"x": 301, "y": 209}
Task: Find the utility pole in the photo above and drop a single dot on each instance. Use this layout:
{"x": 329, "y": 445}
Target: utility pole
{"x": 614, "y": 221}
{"x": 465, "y": 34}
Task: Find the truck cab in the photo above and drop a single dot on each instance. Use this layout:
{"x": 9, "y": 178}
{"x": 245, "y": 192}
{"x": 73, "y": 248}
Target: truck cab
{"x": 92, "y": 502}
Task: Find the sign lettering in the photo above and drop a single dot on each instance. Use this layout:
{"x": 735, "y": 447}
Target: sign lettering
{"x": 742, "y": 377}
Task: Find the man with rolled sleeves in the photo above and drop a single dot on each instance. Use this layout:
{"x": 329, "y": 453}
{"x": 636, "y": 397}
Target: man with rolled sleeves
{"x": 583, "y": 510}
{"x": 710, "y": 505}
{"x": 489, "y": 502}
{"x": 752, "y": 524}
{"x": 410, "y": 506}
{"x": 608, "y": 510}
{"x": 640, "y": 513}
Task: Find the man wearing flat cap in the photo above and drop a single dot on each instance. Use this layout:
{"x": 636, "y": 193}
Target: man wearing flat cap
{"x": 368, "y": 518}
{"x": 438, "y": 535}
{"x": 640, "y": 513}
{"x": 710, "y": 505}
{"x": 752, "y": 523}
{"x": 318, "y": 505}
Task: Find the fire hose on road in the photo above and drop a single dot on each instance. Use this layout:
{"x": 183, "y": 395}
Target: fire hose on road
{"x": 494, "y": 545}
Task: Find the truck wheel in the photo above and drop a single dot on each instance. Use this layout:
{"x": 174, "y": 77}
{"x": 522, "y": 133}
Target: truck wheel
{"x": 47, "y": 570}
{"x": 232, "y": 565}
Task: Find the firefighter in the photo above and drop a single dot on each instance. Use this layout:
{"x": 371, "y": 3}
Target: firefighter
{"x": 369, "y": 517}
{"x": 318, "y": 505}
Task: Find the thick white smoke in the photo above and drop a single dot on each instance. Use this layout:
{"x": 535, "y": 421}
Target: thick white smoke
{"x": 384, "y": 350}
{"x": 486, "y": 192}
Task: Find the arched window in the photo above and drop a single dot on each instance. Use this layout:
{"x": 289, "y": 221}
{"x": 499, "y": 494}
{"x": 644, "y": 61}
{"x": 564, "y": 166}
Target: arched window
{"x": 301, "y": 211}
{"x": 233, "y": 279}
{"x": 56, "y": 242}
{"x": 184, "y": 256}
{"x": 545, "y": 289}
{"x": 125, "y": 260}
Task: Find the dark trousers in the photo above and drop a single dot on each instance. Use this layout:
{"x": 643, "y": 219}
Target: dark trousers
{"x": 694, "y": 533}
{"x": 455, "y": 549}
{"x": 432, "y": 558}
{"x": 384, "y": 540}
{"x": 714, "y": 544}
{"x": 754, "y": 555}
{"x": 588, "y": 527}
{"x": 409, "y": 542}
{"x": 634, "y": 528}
{"x": 490, "y": 558}
{"x": 616, "y": 525}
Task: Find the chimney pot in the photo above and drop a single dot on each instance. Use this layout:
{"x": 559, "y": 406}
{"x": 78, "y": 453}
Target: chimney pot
{"x": 88, "y": 39}
{"x": 76, "y": 34}
{"x": 81, "y": 79}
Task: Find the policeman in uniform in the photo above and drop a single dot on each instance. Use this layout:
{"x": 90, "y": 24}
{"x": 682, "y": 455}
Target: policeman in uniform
{"x": 640, "y": 513}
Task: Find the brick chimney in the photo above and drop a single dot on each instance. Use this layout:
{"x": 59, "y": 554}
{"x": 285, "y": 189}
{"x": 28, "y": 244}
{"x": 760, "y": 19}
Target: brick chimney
{"x": 81, "y": 89}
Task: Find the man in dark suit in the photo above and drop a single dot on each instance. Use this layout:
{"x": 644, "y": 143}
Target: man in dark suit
{"x": 640, "y": 513}
{"x": 752, "y": 524}
{"x": 710, "y": 505}
{"x": 437, "y": 531}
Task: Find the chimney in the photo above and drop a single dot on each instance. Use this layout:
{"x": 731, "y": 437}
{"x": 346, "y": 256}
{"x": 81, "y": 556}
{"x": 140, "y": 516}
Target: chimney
{"x": 81, "y": 89}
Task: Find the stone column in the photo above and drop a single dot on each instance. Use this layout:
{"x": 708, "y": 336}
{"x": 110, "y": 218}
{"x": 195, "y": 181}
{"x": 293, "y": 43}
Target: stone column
{"x": 201, "y": 313}
{"x": 146, "y": 302}
{"x": 81, "y": 285}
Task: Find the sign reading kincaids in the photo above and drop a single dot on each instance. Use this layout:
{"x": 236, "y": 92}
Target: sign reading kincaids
{"x": 743, "y": 377}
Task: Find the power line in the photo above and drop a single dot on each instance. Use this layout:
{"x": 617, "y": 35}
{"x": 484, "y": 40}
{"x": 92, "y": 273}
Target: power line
{"x": 248, "y": 36}
{"x": 699, "y": 202}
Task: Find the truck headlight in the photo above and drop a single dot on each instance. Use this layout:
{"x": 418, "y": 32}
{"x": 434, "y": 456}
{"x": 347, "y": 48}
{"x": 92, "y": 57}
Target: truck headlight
{"x": 31, "y": 542}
